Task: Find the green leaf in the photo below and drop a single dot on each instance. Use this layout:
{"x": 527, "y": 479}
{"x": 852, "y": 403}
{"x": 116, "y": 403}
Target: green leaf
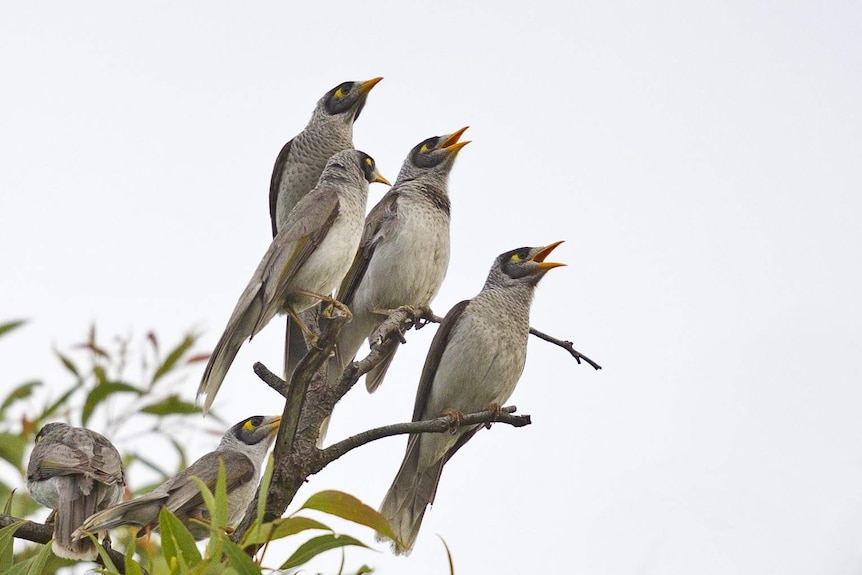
{"x": 133, "y": 567}
{"x": 102, "y": 392}
{"x": 364, "y": 570}
{"x": 34, "y": 565}
{"x": 12, "y": 448}
{"x": 173, "y": 357}
{"x": 317, "y": 545}
{"x": 237, "y": 558}
{"x": 171, "y": 405}
{"x": 11, "y": 325}
{"x": 263, "y": 492}
{"x": 7, "y": 507}
{"x": 68, "y": 363}
{"x": 61, "y": 401}
{"x": 6, "y": 537}
{"x": 280, "y": 528}
{"x": 23, "y": 391}
{"x": 348, "y": 507}
{"x": 177, "y": 542}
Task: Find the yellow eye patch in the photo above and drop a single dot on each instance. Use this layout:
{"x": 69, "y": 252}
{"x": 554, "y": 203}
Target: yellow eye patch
{"x": 249, "y": 426}
{"x": 369, "y": 162}
{"x": 339, "y": 93}
{"x": 515, "y": 258}
{"x": 424, "y": 148}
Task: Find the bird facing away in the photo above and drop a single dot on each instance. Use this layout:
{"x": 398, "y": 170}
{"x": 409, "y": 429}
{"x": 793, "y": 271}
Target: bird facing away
{"x": 76, "y": 472}
{"x": 305, "y": 261}
{"x": 300, "y": 162}
{"x": 473, "y": 364}
{"x": 404, "y": 252}
{"x": 241, "y": 451}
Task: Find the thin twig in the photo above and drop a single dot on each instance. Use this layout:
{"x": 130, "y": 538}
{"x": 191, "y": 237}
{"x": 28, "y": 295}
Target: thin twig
{"x": 429, "y": 317}
{"x": 439, "y": 425}
{"x": 270, "y": 379}
{"x": 42, "y": 533}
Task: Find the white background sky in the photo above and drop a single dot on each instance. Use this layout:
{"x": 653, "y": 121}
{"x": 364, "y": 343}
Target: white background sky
{"x": 702, "y": 162}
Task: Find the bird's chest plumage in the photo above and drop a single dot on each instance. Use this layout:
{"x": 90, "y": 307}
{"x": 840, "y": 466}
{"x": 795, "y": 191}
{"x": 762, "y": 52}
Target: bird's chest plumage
{"x": 483, "y": 360}
{"x": 410, "y": 262}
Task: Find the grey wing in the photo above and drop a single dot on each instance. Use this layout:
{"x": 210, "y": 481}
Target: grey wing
{"x": 275, "y": 183}
{"x": 304, "y": 230}
{"x": 381, "y": 217}
{"x": 106, "y": 463}
{"x": 432, "y": 360}
{"x": 183, "y": 493}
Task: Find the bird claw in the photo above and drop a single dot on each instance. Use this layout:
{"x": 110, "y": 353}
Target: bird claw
{"x": 498, "y": 411}
{"x": 335, "y": 309}
{"x": 456, "y": 417}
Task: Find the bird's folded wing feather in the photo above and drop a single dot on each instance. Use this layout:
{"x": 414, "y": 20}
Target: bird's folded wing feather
{"x": 304, "y": 230}
{"x": 184, "y": 495}
{"x": 432, "y": 360}
{"x": 275, "y": 184}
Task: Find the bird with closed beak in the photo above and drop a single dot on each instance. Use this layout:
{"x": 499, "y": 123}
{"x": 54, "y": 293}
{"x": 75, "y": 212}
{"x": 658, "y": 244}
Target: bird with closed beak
{"x": 300, "y": 162}
{"x": 242, "y": 451}
{"x": 473, "y": 364}
{"x": 76, "y": 472}
{"x": 305, "y": 261}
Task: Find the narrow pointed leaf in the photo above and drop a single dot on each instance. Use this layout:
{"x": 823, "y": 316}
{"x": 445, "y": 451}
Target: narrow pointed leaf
{"x": 133, "y": 567}
{"x": 177, "y": 542}
{"x": 68, "y": 363}
{"x": 237, "y": 558}
{"x": 103, "y": 555}
{"x": 12, "y": 447}
{"x": 348, "y": 507}
{"x": 61, "y": 401}
{"x": 281, "y": 528}
{"x": 8, "y": 326}
{"x": 171, "y": 405}
{"x": 173, "y": 357}
{"x": 6, "y": 537}
{"x": 102, "y": 392}
{"x": 263, "y": 492}
{"x": 23, "y": 391}
{"x": 317, "y": 545}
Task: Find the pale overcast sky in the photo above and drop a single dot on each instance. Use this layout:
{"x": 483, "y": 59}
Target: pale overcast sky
{"x": 702, "y": 162}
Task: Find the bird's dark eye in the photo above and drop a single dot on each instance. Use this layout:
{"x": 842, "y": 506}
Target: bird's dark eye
{"x": 253, "y": 423}
{"x": 429, "y": 144}
{"x": 343, "y": 90}
{"x": 520, "y": 255}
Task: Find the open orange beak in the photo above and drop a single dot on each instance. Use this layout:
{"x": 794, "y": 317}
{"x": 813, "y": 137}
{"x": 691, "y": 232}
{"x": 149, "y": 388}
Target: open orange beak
{"x": 540, "y": 256}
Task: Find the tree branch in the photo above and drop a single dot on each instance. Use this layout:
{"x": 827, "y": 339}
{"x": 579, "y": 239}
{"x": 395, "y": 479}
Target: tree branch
{"x": 439, "y": 425}
{"x": 429, "y": 317}
{"x": 42, "y": 533}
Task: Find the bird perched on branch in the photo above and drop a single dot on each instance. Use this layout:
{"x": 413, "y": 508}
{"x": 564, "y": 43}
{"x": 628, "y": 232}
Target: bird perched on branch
{"x": 473, "y": 364}
{"x": 300, "y": 162}
{"x": 76, "y": 472}
{"x": 241, "y": 451}
{"x": 404, "y": 252}
{"x": 305, "y": 261}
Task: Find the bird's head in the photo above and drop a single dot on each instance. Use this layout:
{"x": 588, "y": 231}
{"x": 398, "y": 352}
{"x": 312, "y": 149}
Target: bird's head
{"x": 352, "y": 166}
{"x": 347, "y": 99}
{"x": 258, "y": 430}
{"x": 523, "y": 266}
{"x": 433, "y": 156}
{"x": 50, "y": 428}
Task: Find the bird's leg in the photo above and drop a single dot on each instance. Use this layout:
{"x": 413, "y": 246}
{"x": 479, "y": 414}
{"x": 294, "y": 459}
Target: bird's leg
{"x": 457, "y": 417}
{"x": 311, "y": 337}
{"x": 328, "y": 311}
{"x": 498, "y": 411}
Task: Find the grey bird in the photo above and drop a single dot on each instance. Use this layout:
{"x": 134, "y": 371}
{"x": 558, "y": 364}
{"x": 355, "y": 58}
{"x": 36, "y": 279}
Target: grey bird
{"x": 242, "y": 451}
{"x": 305, "y": 261}
{"x": 404, "y": 252}
{"x": 76, "y": 472}
{"x": 300, "y": 162}
{"x": 473, "y": 364}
